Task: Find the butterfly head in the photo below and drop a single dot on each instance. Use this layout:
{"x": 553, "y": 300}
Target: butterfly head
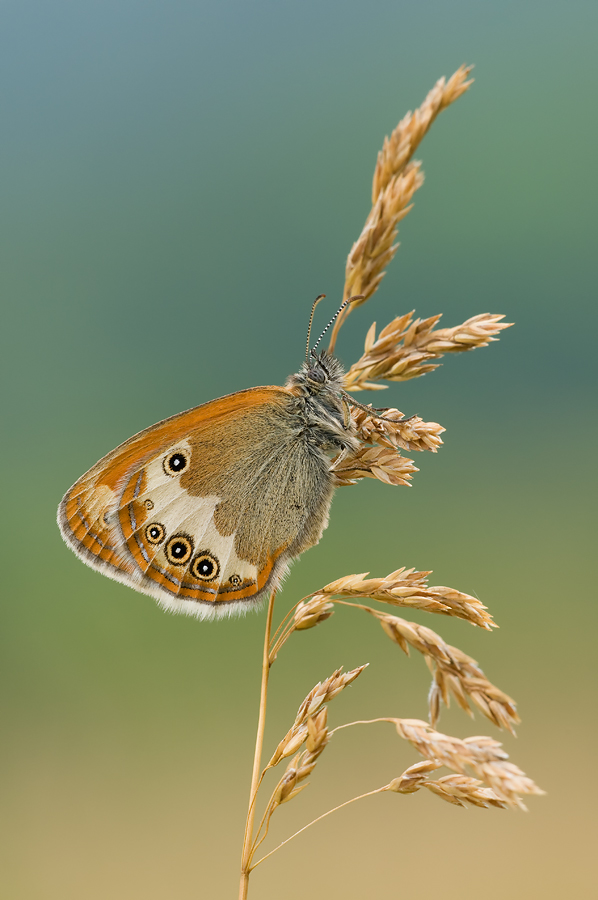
{"x": 322, "y": 404}
{"x": 321, "y": 374}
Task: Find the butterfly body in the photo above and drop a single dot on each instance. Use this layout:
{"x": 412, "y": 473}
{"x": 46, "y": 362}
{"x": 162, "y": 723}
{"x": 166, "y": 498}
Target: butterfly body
{"x": 205, "y": 510}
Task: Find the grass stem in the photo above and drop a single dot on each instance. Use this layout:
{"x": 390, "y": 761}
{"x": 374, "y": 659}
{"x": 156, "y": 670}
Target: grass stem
{"x": 257, "y": 757}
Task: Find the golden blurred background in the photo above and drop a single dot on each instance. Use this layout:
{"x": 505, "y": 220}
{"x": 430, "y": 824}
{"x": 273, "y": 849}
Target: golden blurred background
{"x": 179, "y": 180}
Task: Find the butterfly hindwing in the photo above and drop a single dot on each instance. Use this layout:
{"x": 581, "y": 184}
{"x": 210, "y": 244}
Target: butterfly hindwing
{"x": 203, "y": 510}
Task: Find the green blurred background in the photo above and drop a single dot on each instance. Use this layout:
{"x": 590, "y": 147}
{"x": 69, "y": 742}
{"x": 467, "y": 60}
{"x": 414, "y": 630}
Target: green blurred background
{"x": 178, "y": 181}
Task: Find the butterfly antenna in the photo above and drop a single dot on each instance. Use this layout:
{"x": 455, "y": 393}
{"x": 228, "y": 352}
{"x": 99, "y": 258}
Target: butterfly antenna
{"x": 311, "y": 318}
{"x": 335, "y": 317}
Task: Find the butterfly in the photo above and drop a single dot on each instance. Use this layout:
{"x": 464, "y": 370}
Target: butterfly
{"x": 205, "y": 510}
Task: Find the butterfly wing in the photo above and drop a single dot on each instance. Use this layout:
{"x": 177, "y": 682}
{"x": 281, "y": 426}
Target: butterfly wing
{"x": 204, "y": 510}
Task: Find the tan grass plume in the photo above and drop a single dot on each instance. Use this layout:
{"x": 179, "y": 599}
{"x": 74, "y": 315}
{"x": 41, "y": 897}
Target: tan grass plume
{"x": 396, "y": 179}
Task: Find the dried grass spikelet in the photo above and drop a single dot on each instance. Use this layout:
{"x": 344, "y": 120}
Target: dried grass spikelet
{"x": 322, "y": 693}
{"x": 304, "y": 763}
{"x": 453, "y": 673}
{"x": 405, "y": 347}
{"x": 455, "y": 789}
{"x": 462, "y": 789}
{"x": 326, "y": 690}
{"x": 396, "y": 179}
{"x": 485, "y": 756}
{"x": 375, "y": 247}
{"x": 309, "y": 613}
{"x": 409, "y": 588}
{"x": 286, "y": 788}
{"x": 412, "y": 778}
{"x": 392, "y": 430}
{"x": 381, "y": 438}
{"x": 382, "y": 463}
{"x": 398, "y": 149}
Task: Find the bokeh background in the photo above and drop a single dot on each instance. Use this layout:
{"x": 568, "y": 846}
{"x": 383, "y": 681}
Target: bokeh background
{"x": 178, "y": 181}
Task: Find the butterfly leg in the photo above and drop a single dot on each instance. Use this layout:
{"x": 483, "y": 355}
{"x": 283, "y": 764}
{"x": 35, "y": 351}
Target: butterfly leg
{"x": 348, "y": 399}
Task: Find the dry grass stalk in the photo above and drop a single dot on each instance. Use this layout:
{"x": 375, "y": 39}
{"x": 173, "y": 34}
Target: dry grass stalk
{"x": 322, "y": 693}
{"x": 256, "y": 778}
{"x": 409, "y": 588}
{"x": 405, "y": 347}
{"x": 483, "y": 755}
{"x": 454, "y": 673}
{"x": 398, "y": 149}
{"x": 396, "y": 179}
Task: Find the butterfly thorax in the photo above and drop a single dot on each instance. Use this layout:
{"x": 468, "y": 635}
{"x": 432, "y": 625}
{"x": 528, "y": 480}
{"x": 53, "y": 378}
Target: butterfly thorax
{"x": 319, "y": 388}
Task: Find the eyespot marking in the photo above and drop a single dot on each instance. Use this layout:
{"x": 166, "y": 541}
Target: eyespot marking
{"x": 235, "y": 580}
{"x": 177, "y": 462}
{"x": 149, "y": 504}
{"x": 179, "y": 549}
{"x": 155, "y": 533}
{"x": 205, "y": 566}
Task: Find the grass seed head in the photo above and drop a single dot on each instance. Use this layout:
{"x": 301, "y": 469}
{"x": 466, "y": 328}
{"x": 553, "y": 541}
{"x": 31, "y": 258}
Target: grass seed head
{"x": 396, "y": 179}
{"x": 372, "y": 462}
{"x": 454, "y": 673}
{"x": 409, "y": 588}
{"x": 408, "y": 348}
{"x": 311, "y": 612}
{"x": 412, "y": 778}
{"x": 483, "y": 755}
{"x": 314, "y": 704}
